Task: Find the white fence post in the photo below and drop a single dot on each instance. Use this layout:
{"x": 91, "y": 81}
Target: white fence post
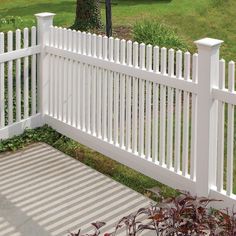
{"x": 45, "y": 21}
{"x": 208, "y": 77}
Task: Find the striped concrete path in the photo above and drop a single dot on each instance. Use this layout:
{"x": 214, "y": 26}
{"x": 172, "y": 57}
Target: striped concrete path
{"x": 44, "y": 192}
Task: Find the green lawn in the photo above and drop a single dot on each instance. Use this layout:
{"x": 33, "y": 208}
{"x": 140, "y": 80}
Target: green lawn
{"x": 191, "y": 19}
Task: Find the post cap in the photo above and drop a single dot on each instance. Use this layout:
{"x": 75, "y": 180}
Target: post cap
{"x": 208, "y": 42}
{"x": 45, "y": 15}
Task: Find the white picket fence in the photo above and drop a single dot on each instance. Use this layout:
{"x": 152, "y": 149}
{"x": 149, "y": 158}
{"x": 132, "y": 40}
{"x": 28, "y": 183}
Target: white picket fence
{"x": 17, "y": 65}
{"x": 166, "y": 114}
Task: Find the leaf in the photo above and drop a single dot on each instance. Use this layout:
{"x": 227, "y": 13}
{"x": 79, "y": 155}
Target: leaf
{"x": 98, "y": 224}
{"x": 144, "y": 227}
{"x": 157, "y": 217}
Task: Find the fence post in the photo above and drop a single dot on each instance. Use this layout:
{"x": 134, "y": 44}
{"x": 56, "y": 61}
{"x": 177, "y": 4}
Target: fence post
{"x": 207, "y": 113}
{"x": 44, "y": 22}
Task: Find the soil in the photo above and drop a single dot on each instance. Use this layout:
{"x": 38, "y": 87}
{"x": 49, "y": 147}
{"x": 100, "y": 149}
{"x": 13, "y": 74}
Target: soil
{"x": 122, "y": 32}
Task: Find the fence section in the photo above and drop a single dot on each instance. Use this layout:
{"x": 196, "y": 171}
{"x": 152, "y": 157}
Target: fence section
{"x": 141, "y": 102}
{"x": 225, "y": 185}
{"x": 135, "y": 97}
{"x": 18, "y": 81}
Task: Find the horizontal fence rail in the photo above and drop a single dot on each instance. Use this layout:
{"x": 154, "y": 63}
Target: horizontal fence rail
{"x": 122, "y": 68}
{"x": 166, "y": 113}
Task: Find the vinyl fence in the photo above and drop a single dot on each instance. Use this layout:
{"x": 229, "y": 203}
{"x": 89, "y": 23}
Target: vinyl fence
{"x": 18, "y": 84}
{"x": 169, "y": 115}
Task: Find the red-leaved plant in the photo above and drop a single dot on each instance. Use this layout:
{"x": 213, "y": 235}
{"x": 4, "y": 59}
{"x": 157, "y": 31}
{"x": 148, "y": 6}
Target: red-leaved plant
{"x": 96, "y": 232}
{"x": 184, "y": 215}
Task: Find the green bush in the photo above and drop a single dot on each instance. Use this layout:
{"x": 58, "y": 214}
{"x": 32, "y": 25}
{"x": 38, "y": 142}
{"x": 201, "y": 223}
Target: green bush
{"x": 155, "y": 33}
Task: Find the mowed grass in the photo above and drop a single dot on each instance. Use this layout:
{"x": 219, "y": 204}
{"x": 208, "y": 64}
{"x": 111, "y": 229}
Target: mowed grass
{"x": 191, "y": 20}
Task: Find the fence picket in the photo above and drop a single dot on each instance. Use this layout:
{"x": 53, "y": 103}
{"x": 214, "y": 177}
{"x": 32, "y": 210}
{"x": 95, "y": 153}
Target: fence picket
{"x": 99, "y": 88}
{"x": 73, "y": 82}
{"x": 128, "y": 98}
{"x": 26, "y": 75}
{"x": 18, "y": 78}
{"x": 56, "y": 74}
{"x": 148, "y": 105}
{"x": 10, "y": 79}
{"x": 156, "y": 60}
{"x": 178, "y": 95}
{"x": 88, "y": 84}
{"x": 185, "y": 146}
{"x": 110, "y": 92}
{"x": 155, "y": 132}
{"x": 2, "y": 84}
{"x": 51, "y": 70}
{"x": 83, "y": 83}
{"x": 33, "y": 73}
{"x": 64, "y": 83}
{"x": 53, "y": 74}
{"x": 221, "y": 117}
{"x": 170, "y": 111}
{"x": 94, "y": 86}
{"x": 141, "y": 102}
{"x": 60, "y": 76}
{"x": 122, "y": 94}
{"x": 104, "y": 90}
{"x": 116, "y": 93}
{"x": 163, "y": 110}
{"x": 194, "y": 120}
{"x": 135, "y": 100}
{"x": 68, "y": 81}
{"x": 78, "y": 86}
{"x": 230, "y": 132}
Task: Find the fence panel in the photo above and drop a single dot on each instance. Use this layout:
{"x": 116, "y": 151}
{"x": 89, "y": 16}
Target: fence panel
{"x": 124, "y": 100}
{"x": 226, "y": 150}
{"x": 18, "y": 76}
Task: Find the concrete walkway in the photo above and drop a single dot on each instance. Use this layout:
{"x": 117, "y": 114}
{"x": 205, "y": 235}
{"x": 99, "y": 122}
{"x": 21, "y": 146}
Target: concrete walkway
{"x": 45, "y": 192}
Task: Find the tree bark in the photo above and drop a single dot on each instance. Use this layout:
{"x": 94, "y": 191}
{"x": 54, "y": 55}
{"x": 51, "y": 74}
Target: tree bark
{"x": 88, "y": 15}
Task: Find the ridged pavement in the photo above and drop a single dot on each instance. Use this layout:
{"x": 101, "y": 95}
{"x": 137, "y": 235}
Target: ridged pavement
{"x": 44, "y": 192}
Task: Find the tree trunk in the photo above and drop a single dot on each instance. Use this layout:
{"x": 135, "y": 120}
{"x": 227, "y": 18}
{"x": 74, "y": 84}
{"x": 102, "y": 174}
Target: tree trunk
{"x": 88, "y": 15}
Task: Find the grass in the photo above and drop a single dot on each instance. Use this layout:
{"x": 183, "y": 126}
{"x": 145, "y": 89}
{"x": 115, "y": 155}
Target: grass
{"x": 154, "y": 33}
{"x": 95, "y": 160}
{"x": 191, "y": 20}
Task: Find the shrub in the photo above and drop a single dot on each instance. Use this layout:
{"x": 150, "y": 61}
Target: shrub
{"x": 42, "y": 134}
{"x": 155, "y": 33}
